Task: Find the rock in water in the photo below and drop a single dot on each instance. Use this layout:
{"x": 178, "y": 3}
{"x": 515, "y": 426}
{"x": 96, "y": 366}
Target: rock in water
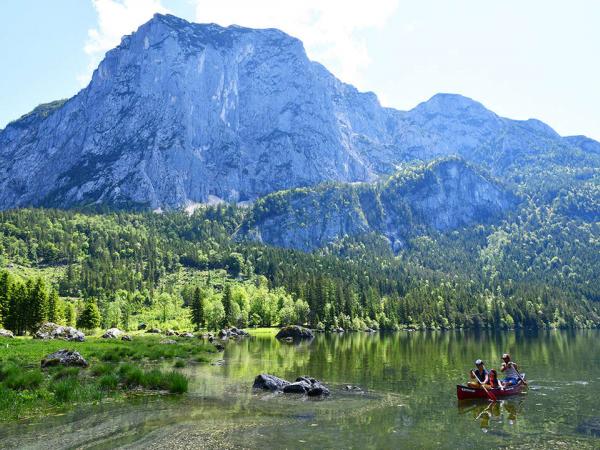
{"x": 303, "y": 385}
{"x": 64, "y": 358}
{"x": 295, "y": 332}
{"x": 6, "y": 333}
{"x": 112, "y": 333}
{"x": 51, "y": 330}
{"x": 269, "y": 382}
{"x": 153, "y": 331}
{"x": 126, "y": 337}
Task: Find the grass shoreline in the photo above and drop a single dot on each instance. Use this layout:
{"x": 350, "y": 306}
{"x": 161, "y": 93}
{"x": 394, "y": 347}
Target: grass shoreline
{"x": 117, "y": 369}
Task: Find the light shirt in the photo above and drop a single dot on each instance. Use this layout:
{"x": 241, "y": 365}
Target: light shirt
{"x": 510, "y": 372}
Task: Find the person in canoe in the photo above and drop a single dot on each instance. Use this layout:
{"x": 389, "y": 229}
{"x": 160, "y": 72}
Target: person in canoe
{"x": 495, "y": 383}
{"x": 510, "y": 371}
{"x": 478, "y": 376}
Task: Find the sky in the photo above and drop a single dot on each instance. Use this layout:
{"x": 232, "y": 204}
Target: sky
{"x": 520, "y": 58}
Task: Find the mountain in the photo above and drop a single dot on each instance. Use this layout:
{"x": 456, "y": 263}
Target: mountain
{"x": 440, "y": 196}
{"x": 182, "y": 113}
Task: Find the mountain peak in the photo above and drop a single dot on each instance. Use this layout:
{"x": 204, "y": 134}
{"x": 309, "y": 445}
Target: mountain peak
{"x": 453, "y": 104}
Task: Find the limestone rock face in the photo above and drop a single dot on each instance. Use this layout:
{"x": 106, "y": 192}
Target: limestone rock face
{"x": 182, "y": 113}
{"x": 443, "y": 195}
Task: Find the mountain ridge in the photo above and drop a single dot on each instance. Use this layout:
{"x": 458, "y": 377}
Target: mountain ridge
{"x": 180, "y": 113}
{"x": 443, "y": 195}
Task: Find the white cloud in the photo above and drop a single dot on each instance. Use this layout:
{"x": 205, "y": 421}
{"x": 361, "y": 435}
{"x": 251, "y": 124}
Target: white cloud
{"x": 330, "y": 29}
{"x": 116, "y": 18}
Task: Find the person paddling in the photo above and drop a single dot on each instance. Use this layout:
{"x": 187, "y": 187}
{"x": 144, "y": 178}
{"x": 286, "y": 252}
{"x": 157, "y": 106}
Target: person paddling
{"x": 510, "y": 370}
{"x": 479, "y": 376}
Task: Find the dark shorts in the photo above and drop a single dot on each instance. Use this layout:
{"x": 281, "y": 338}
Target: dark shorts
{"x": 510, "y": 380}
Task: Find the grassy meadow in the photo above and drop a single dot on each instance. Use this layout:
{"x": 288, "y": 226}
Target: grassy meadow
{"x": 116, "y": 370}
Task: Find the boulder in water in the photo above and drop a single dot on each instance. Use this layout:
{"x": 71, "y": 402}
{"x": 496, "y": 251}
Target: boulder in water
{"x": 269, "y": 382}
{"x": 303, "y": 385}
{"x": 153, "y": 331}
{"x": 64, "y": 358}
{"x": 295, "y": 332}
{"x": 126, "y": 337}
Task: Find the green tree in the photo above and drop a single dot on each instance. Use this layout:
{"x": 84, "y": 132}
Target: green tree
{"x": 227, "y": 301}
{"x": 89, "y": 318}
{"x": 5, "y": 296}
{"x": 54, "y": 310}
{"x": 70, "y": 314}
{"x": 198, "y": 308}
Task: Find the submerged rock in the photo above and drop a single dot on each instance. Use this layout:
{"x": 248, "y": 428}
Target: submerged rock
{"x": 295, "y": 332}
{"x": 51, "y": 330}
{"x": 64, "y": 358}
{"x": 6, "y": 333}
{"x": 112, "y": 333}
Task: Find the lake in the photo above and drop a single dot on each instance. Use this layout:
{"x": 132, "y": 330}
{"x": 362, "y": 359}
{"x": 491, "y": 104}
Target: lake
{"x": 408, "y": 399}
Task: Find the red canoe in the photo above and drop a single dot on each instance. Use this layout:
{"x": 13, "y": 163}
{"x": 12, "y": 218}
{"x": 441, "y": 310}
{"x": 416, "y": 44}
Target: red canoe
{"x": 467, "y": 392}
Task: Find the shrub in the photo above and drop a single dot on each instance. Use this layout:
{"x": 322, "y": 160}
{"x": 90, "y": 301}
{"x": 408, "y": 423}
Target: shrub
{"x": 178, "y": 383}
{"x": 131, "y": 375}
{"x": 66, "y": 372}
{"x": 20, "y": 381}
{"x": 108, "y": 382}
{"x": 65, "y": 390}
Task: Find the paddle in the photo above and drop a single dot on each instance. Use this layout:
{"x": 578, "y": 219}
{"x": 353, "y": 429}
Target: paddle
{"x": 520, "y": 376}
{"x": 491, "y": 396}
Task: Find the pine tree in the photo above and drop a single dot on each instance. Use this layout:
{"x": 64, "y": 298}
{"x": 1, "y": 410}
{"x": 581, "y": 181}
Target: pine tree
{"x": 16, "y": 317}
{"x": 90, "y": 316}
{"x": 54, "y": 313}
{"x": 37, "y": 304}
{"x": 227, "y": 306}
{"x": 70, "y": 314}
{"x": 5, "y": 295}
{"x": 197, "y": 308}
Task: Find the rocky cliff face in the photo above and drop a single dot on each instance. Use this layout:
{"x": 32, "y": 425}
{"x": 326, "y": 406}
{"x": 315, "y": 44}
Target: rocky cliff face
{"x": 181, "y": 113}
{"x": 443, "y": 195}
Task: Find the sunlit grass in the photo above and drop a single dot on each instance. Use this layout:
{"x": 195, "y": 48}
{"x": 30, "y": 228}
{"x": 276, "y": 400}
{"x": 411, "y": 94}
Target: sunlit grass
{"x": 116, "y": 367}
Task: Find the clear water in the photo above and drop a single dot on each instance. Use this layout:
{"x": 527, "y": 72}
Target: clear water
{"x": 409, "y": 399}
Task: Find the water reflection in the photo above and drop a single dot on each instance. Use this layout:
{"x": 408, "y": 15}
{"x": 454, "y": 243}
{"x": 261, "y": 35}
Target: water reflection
{"x": 409, "y": 401}
{"x": 488, "y": 414}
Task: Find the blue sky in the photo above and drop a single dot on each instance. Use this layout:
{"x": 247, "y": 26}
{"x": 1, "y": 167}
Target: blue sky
{"x": 521, "y": 59}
